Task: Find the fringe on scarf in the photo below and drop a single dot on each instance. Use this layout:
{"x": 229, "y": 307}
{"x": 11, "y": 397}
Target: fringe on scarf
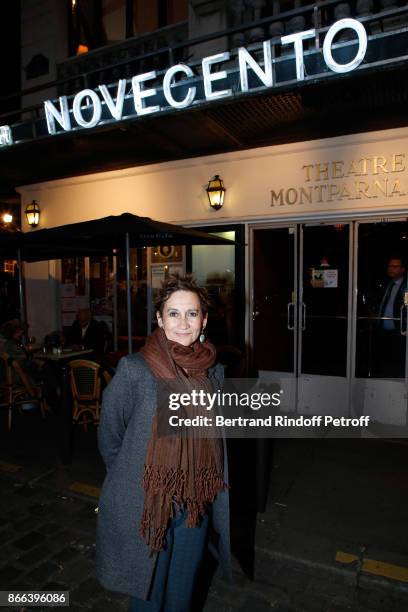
{"x": 166, "y": 492}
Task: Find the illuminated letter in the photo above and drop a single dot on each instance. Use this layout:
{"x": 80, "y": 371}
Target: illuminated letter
{"x": 344, "y": 24}
{"x": 167, "y": 82}
{"x": 297, "y": 38}
{"x": 139, "y": 95}
{"x": 6, "y": 137}
{"x": 77, "y": 109}
{"x": 209, "y": 78}
{"x": 245, "y": 60}
{"x": 116, "y": 110}
{"x": 52, "y": 114}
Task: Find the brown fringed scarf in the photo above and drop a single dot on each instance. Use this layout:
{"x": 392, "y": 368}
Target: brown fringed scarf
{"x": 181, "y": 468}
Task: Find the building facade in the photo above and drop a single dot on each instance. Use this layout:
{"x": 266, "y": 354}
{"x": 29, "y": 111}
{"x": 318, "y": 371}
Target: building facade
{"x": 300, "y": 110}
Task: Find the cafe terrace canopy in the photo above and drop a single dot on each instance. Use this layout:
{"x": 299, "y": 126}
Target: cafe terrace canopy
{"x": 111, "y": 232}
{"x": 103, "y": 236}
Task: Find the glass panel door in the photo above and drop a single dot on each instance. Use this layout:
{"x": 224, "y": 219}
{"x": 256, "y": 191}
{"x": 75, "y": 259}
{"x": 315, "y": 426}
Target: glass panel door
{"x": 324, "y": 299}
{"x": 381, "y": 300}
{"x": 380, "y": 365}
{"x": 274, "y": 299}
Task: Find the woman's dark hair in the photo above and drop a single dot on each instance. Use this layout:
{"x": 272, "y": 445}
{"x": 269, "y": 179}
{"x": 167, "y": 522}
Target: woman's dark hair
{"x": 182, "y": 283}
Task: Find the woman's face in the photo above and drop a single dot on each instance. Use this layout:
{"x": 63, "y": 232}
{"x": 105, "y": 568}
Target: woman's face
{"x": 182, "y": 318}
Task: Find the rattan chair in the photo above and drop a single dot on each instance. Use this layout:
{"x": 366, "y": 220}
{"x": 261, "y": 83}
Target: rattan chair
{"x": 14, "y": 394}
{"x": 86, "y": 391}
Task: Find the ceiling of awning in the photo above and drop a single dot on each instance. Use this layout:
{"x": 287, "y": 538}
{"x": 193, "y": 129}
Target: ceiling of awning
{"x": 353, "y": 103}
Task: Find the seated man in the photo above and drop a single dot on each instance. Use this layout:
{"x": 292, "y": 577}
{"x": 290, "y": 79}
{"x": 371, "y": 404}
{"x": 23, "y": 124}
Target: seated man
{"x": 87, "y": 332}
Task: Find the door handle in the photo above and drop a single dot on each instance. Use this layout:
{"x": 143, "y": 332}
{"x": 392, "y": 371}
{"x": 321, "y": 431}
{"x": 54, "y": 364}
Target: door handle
{"x": 303, "y": 316}
{"x": 404, "y": 309}
{"x": 255, "y": 314}
{"x": 290, "y": 306}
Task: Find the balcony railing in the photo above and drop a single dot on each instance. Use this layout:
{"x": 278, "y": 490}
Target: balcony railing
{"x": 123, "y": 59}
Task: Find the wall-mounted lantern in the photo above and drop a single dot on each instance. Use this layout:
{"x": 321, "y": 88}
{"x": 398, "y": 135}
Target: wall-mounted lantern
{"x": 216, "y": 191}
{"x": 32, "y": 213}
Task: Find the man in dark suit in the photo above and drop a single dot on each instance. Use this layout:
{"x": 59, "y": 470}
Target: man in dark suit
{"x": 88, "y": 333}
{"x": 390, "y": 343}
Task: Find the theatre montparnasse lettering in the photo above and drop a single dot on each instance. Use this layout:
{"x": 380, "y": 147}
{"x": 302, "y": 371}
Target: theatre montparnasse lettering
{"x": 365, "y": 178}
{"x": 91, "y": 107}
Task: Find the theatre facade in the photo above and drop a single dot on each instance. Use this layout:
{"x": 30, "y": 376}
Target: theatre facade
{"x": 307, "y": 132}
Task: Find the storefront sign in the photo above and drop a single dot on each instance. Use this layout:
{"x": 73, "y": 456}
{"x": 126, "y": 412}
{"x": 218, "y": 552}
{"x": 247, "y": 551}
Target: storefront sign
{"x": 92, "y": 107}
{"x": 377, "y": 176}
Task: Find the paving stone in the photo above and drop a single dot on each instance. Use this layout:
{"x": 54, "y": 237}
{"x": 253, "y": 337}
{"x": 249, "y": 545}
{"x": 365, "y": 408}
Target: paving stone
{"x": 26, "y": 491}
{"x": 24, "y": 524}
{"x": 66, "y": 554}
{"x": 76, "y": 572}
{"x": 35, "y": 556}
{"x": 6, "y": 535}
{"x": 8, "y": 553}
{"x": 39, "y": 509}
{"x": 103, "y": 605}
{"x": 292, "y": 580}
{"x": 8, "y": 573}
{"x": 214, "y": 604}
{"x": 29, "y": 541}
{"x": 87, "y": 590}
{"x": 60, "y": 540}
{"x": 51, "y": 528}
{"x": 42, "y": 573}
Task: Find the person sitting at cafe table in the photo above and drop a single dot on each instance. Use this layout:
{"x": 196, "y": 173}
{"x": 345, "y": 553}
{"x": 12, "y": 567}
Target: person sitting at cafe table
{"x": 24, "y": 371}
{"x": 86, "y": 332}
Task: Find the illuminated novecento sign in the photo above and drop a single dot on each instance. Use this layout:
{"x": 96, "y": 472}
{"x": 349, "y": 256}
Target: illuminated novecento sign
{"x": 91, "y": 107}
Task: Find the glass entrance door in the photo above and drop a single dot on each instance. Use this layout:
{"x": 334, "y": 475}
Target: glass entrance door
{"x": 324, "y": 318}
{"x": 275, "y": 309}
{"x": 381, "y": 305}
{"x": 330, "y": 315}
{"x": 301, "y": 313}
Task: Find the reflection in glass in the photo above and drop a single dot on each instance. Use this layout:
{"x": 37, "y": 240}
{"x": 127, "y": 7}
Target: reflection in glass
{"x": 214, "y": 268}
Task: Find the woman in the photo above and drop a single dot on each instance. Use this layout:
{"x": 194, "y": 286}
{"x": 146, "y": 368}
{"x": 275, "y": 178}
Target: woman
{"x": 161, "y": 493}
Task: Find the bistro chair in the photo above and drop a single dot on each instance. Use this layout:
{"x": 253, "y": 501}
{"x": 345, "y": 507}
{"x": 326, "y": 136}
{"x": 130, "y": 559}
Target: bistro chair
{"x": 86, "y": 391}
{"x": 14, "y": 394}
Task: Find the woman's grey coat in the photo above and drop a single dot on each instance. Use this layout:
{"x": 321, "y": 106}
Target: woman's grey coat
{"x": 123, "y": 561}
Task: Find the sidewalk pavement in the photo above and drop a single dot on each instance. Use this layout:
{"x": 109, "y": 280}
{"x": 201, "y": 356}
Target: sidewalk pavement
{"x": 333, "y": 537}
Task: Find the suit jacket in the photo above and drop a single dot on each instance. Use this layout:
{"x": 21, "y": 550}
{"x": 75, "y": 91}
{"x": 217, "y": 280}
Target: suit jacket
{"x": 94, "y": 337}
{"x": 399, "y": 298}
{"x": 123, "y": 559}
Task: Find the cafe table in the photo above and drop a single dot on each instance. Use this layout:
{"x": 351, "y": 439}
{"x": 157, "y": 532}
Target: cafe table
{"x": 62, "y": 359}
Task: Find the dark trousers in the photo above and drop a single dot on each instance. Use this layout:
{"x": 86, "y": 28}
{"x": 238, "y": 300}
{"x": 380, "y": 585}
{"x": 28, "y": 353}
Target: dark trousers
{"x": 176, "y": 569}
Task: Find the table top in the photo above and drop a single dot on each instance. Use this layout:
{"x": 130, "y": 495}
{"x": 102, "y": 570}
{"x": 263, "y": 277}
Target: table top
{"x": 65, "y": 354}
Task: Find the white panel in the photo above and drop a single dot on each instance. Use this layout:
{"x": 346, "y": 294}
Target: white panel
{"x": 323, "y": 395}
{"x": 384, "y": 400}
